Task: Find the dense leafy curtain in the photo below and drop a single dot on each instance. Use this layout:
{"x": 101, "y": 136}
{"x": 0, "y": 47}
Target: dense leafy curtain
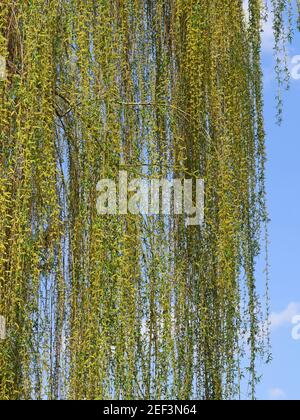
{"x": 129, "y": 306}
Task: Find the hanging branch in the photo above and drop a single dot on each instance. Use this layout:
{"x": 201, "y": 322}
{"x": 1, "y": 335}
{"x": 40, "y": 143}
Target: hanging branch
{"x": 127, "y": 307}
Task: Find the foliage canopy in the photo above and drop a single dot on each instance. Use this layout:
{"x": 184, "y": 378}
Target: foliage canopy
{"x": 124, "y": 306}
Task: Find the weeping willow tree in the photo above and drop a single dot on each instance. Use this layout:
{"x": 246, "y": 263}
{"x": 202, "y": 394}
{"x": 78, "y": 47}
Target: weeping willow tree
{"x": 128, "y": 306}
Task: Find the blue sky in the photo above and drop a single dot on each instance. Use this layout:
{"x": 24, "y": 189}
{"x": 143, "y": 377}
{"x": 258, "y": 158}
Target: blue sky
{"x": 281, "y": 379}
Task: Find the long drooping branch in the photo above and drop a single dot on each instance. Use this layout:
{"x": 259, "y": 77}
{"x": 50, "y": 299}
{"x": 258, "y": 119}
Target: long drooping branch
{"x": 130, "y": 306}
